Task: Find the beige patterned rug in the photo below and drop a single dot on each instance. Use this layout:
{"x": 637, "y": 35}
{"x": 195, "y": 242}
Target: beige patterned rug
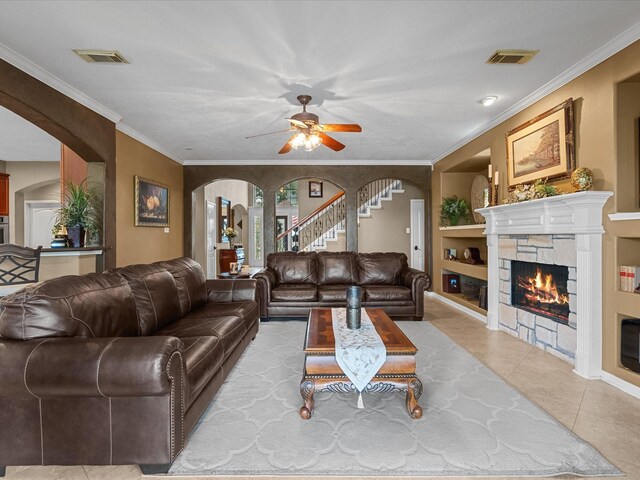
{"x": 474, "y": 424}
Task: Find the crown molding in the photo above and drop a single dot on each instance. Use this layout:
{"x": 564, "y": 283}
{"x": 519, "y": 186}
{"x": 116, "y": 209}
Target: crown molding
{"x": 193, "y": 163}
{"x": 127, "y": 130}
{"x": 609, "y": 49}
{"x": 54, "y": 82}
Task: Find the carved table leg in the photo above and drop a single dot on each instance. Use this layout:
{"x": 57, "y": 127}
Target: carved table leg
{"x": 307, "y": 388}
{"x": 414, "y": 391}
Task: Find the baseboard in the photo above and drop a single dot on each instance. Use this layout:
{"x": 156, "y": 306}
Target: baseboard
{"x": 462, "y": 308}
{"x": 620, "y": 384}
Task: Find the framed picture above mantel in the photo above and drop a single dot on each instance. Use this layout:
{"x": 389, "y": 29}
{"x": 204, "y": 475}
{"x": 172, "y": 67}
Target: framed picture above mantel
{"x": 543, "y": 147}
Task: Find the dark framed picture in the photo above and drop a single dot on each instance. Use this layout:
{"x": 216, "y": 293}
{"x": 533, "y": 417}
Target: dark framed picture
{"x": 543, "y": 147}
{"x": 151, "y": 203}
{"x": 450, "y": 283}
{"x": 315, "y": 189}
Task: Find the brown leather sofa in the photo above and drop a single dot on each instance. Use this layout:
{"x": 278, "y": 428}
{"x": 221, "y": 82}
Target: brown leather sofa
{"x": 117, "y": 367}
{"x": 293, "y": 283}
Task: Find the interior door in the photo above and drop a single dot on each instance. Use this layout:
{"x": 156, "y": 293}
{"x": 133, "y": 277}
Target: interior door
{"x": 39, "y": 222}
{"x": 212, "y": 237}
{"x": 417, "y": 234}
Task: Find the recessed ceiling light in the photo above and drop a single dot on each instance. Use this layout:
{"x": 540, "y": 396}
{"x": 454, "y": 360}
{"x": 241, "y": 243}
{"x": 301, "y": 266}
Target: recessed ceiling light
{"x": 188, "y": 148}
{"x": 488, "y": 100}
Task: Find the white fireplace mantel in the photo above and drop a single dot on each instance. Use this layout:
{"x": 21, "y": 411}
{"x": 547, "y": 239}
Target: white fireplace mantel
{"x": 578, "y": 214}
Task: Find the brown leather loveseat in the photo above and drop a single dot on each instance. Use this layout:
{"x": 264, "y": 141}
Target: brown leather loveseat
{"x": 117, "y": 367}
{"x": 293, "y": 283}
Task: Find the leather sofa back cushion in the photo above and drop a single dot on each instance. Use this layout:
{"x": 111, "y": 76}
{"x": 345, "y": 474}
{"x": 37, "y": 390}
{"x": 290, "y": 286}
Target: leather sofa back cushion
{"x": 93, "y": 305}
{"x": 337, "y": 268}
{"x": 381, "y": 268}
{"x": 293, "y": 267}
{"x": 156, "y": 296}
{"x": 190, "y": 280}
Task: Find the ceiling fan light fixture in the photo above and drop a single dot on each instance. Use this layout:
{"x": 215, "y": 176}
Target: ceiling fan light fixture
{"x": 312, "y": 142}
{"x": 488, "y": 100}
{"x": 298, "y": 140}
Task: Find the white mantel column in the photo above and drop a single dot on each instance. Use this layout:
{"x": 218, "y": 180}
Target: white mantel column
{"x": 493, "y": 281}
{"x": 589, "y": 305}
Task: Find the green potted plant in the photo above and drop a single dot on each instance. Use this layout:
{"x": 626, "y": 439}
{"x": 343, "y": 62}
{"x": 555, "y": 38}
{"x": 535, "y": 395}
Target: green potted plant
{"x": 78, "y": 213}
{"x": 453, "y": 209}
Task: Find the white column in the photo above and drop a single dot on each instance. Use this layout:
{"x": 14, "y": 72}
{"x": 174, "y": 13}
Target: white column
{"x": 589, "y": 305}
{"x": 493, "y": 282}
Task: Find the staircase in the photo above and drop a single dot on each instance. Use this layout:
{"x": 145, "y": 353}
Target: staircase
{"x": 327, "y": 222}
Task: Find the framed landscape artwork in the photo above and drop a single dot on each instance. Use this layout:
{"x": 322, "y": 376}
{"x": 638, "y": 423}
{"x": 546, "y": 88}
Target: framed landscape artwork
{"x": 315, "y": 189}
{"x": 151, "y": 203}
{"x": 542, "y": 147}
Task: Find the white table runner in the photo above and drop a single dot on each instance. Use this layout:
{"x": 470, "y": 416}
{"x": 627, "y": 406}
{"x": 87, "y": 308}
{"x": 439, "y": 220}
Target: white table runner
{"x": 360, "y": 353}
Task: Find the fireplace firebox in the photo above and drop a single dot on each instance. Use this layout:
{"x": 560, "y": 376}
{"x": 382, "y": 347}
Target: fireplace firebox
{"x": 541, "y": 289}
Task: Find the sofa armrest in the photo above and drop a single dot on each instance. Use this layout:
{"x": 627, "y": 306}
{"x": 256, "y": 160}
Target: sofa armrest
{"x": 417, "y": 280}
{"x": 91, "y": 367}
{"x": 266, "y": 281}
{"x": 238, "y": 290}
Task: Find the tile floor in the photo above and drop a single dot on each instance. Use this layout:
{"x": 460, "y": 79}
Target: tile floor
{"x": 599, "y": 413}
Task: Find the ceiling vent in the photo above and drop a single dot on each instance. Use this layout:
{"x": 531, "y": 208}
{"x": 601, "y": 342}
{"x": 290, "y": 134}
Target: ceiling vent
{"x": 512, "y": 56}
{"x": 101, "y": 56}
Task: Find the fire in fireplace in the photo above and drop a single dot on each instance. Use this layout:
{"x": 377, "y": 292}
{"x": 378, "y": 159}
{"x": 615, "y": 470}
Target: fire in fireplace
{"x": 541, "y": 289}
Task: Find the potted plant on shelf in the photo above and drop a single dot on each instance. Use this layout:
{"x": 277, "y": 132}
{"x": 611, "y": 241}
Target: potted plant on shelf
{"x": 78, "y": 213}
{"x": 453, "y": 209}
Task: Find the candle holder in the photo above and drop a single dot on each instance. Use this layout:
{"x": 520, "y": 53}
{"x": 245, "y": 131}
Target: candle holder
{"x": 495, "y": 194}
{"x": 491, "y": 192}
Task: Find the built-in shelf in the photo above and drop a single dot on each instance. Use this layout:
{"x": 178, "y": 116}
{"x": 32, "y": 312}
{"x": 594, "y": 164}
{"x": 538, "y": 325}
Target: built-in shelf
{"x": 475, "y": 271}
{"x": 627, "y": 303}
{"x": 470, "y": 304}
{"x": 463, "y": 227}
{"x": 621, "y": 216}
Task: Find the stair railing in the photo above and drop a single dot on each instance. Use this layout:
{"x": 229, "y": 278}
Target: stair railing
{"x": 371, "y": 194}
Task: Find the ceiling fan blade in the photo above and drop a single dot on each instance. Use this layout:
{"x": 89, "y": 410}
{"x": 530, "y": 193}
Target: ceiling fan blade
{"x": 297, "y": 123}
{"x": 340, "y": 127}
{"x": 287, "y": 146}
{"x": 330, "y": 142}
{"x": 271, "y": 133}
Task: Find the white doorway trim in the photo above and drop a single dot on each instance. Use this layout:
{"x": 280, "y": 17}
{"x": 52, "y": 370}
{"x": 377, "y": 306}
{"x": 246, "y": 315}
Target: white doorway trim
{"x": 417, "y": 234}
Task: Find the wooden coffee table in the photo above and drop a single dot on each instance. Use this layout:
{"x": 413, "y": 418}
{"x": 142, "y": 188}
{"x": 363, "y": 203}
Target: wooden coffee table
{"x": 323, "y": 374}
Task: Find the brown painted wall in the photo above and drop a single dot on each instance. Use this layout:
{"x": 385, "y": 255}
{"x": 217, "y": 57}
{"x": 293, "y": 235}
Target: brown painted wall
{"x": 145, "y": 244}
{"x": 596, "y": 126}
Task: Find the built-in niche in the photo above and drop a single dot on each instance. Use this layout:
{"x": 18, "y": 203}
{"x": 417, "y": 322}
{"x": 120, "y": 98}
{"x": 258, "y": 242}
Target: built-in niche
{"x": 628, "y": 149}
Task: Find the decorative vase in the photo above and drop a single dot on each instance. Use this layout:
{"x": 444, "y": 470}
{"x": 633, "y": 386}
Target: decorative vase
{"x": 59, "y": 242}
{"x": 582, "y": 179}
{"x": 76, "y": 236}
{"x": 354, "y": 296}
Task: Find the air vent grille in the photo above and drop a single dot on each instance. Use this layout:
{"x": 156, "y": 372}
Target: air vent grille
{"x": 101, "y": 56}
{"x": 512, "y": 56}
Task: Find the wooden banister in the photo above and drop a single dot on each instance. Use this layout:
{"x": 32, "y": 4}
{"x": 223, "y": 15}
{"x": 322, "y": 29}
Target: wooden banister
{"x": 311, "y": 215}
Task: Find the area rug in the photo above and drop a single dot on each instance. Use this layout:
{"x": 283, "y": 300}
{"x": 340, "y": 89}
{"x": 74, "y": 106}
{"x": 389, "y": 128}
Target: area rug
{"x": 474, "y": 424}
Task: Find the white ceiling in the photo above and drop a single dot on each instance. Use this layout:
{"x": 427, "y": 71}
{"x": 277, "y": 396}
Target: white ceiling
{"x": 205, "y": 74}
{"x": 22, "y": 141}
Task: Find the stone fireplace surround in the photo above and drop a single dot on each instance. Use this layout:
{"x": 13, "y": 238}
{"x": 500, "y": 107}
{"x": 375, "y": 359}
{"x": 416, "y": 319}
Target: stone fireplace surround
{"x": 564, "y": 230}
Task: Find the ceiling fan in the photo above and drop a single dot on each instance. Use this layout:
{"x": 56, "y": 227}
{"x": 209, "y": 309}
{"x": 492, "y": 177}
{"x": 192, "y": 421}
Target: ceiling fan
{"x": 309, "y": 132}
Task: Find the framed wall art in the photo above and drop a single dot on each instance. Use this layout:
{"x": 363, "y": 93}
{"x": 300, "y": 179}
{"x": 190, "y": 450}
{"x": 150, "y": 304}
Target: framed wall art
{"x": 315, "y": 189}
{"x": 151, "y": 203}
{"x": 543, "y": 147}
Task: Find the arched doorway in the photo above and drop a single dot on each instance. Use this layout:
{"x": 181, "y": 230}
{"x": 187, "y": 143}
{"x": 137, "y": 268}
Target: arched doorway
{"x": 227, "y": 204}
{"x": 310, "y": 215}
{"x": 391, "y": 219}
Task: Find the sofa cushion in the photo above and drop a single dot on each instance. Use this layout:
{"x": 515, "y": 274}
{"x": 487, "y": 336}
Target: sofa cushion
{"x": 190, "y": 280}
{"x": 337, "y": 268}
{"x": 381, "y": 268}
{"x": 229, "y": 329}
{"x": 156, "y": 296}
{"x": 292, "y": 267}
{"x": 386, "y": 293}
{"x": 294, "y": 293}
{"x": 202, "y": 356}
{"x": 332, "y": 293}
{"x": 93, "y": 305}
{"x": 246, "y": 311}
